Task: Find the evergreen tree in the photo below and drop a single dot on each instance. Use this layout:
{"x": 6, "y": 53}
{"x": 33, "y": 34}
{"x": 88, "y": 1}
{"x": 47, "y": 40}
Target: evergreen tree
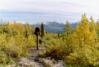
{"x": 42, "y": 30}
{"x": 68, "y": 37}
{"x": 67, "y": 28}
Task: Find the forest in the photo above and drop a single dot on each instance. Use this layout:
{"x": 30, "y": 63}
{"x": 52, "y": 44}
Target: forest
{"x": 76, "y": 47}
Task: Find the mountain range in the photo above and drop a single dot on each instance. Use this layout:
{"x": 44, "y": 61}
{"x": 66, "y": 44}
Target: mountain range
{"x": 54, "y": 27}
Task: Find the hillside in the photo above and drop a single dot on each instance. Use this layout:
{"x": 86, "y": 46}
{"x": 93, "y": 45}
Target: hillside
{"x": 55, "y": 27}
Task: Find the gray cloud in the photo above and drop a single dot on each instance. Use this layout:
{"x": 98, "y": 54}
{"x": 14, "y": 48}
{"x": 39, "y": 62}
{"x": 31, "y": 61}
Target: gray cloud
{"x": 71, "y": 9}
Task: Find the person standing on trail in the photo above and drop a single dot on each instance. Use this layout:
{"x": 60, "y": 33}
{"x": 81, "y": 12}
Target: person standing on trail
{"x": 37, "y": 33}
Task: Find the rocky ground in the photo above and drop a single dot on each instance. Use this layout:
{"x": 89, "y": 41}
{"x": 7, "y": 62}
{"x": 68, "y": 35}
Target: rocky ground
{"x": 34, "y": 61}
{"x": 41, "y": 62}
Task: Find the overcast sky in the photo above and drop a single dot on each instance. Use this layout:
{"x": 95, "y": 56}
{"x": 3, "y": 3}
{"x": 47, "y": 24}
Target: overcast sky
{"x": 72, "y": 9}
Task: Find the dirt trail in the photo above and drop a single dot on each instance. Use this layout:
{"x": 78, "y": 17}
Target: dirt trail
{"x": 34, "y": 61}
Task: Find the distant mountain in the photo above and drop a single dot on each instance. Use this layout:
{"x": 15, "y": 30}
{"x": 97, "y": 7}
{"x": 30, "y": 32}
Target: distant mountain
{"x": 54, "y": 27}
